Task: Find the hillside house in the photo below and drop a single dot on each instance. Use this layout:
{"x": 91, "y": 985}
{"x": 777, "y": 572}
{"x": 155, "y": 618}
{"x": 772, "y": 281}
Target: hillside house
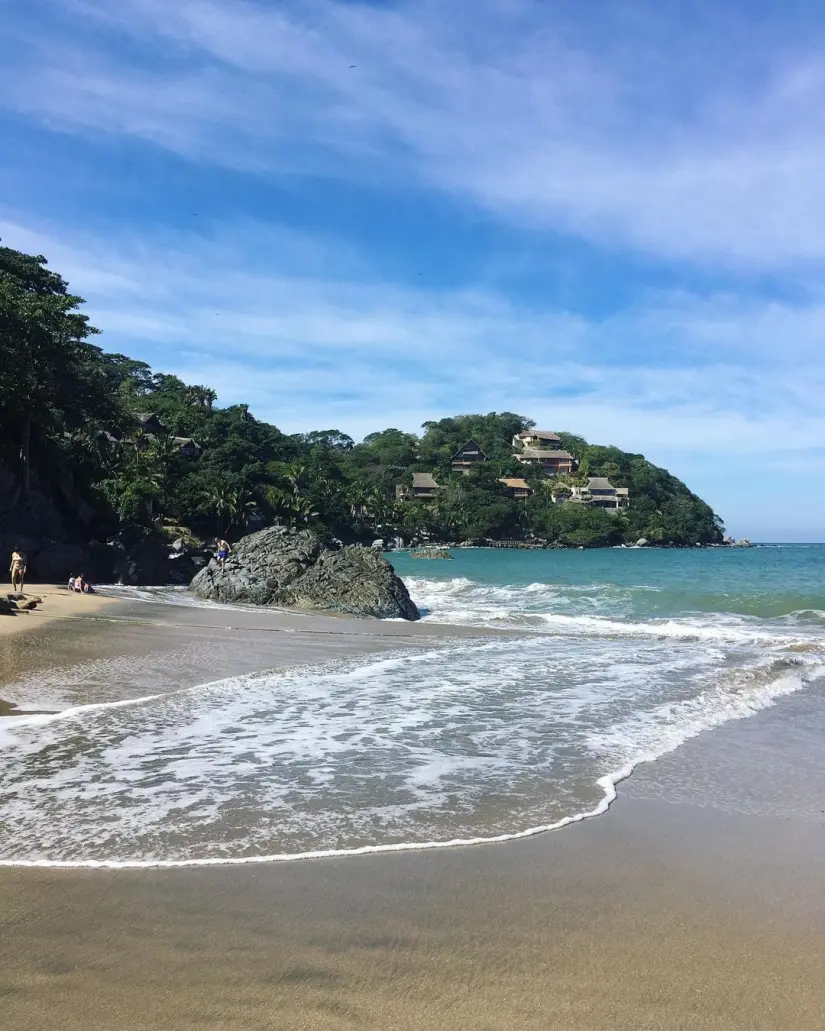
{"x": 600, "y": 493}
{"x": 536, "y": 440}
{"x": 149, "y": 423}
{"x": 517, "y": 488}
{"x": 424, "y": 488}
{"x": 152, "y": 427}
{"x": 188, "y": 447}
{"x": 466, "y": 457}
{"x": 550, "y": 462}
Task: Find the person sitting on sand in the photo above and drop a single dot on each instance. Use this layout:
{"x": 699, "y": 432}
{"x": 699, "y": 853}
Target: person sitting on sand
{"x": 223, "y": 551}
{"x": 82, "y": 585}
{"x": 71, "y": 583}
{"x": 18, "y": 569}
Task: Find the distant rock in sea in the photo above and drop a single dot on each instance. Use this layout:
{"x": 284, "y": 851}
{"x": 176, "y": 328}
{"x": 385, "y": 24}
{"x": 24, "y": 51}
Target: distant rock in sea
{"x": 293, "y": 568}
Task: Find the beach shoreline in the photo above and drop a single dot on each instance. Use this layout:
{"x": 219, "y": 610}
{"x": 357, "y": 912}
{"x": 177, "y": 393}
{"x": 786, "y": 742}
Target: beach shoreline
{"x": 659, "y": 914}
{"x": 57, "y": 605}
{"x": 178, "y": 646}
{"x": 655, "y": 916}
{"x": 56, "y": 602}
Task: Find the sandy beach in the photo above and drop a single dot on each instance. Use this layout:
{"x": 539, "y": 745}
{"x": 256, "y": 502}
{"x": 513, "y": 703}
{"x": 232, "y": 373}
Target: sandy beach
{"x": 665, "y": 913}
{"x": 56, "y": 603}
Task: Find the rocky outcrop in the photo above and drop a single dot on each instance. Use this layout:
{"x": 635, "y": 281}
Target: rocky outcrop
{"x": 48, "y": 561}
{"x": 138, "y": 557}
{"x": 52, "y": 526}
{"x": 57, "y": 562}
{"x": 285, "y": 567}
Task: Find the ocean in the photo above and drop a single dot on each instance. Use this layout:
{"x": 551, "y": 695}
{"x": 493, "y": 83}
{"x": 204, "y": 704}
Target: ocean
{"x": 617, "y": 657}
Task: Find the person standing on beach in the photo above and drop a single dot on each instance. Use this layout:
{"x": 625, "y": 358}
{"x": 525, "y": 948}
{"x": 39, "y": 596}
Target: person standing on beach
{"x": 18, "y": 569}
{"x": 223, "y": 551}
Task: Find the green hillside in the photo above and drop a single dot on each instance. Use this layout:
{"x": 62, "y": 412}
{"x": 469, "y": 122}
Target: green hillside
{"x": 70, "y": 433}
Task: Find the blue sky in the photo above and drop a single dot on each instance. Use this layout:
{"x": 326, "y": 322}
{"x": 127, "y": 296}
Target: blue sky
{"x": 607, "y": 216}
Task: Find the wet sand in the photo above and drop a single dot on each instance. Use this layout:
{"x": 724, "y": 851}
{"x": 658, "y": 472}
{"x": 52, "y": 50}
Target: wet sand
{"x": 662, "y": 914}
{"x": 655, "y": 916}
{"x": 19, "y": 653}
{"x": 129, "y": 649}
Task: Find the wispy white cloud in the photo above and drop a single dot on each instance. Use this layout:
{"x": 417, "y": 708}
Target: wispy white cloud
{"x": 696, "y": 144}
{"x": 701, "y": 145}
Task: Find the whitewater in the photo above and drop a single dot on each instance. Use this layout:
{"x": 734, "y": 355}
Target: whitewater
{"x": 611, "y": 662}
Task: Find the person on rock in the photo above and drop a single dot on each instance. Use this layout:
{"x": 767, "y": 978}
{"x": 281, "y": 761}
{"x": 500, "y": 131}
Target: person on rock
{"x": 223, "y": 551}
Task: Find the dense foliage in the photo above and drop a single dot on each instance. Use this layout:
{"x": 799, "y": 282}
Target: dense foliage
{"x": 69, "y": 409}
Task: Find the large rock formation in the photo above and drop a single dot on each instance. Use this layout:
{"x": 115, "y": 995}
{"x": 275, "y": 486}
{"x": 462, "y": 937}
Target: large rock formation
{"x": 138, "y": 557}
{"x": 285, "y": 567}
{"x": 52, "y": 526}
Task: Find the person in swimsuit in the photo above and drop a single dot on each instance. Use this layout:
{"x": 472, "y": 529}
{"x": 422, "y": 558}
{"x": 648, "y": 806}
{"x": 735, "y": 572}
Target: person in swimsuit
{"x": 83, "y": 585}
{"x": 18, "y": 569}
{"x": 223, "y": 551}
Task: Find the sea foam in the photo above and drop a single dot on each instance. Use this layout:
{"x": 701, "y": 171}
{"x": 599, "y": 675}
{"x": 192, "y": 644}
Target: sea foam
{"x": 466, "y": 743}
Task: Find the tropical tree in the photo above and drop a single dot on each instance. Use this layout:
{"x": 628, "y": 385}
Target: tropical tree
{"x": 300, "y": 512}
{"x": 51, "y": 378}
{"x": 220, "y": 499}
{"x": 297, "y": 476}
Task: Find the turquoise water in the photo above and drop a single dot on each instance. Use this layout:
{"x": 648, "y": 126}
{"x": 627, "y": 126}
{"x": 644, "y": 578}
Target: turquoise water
{"x": 640, "y": 583}
{"x": 614, "y": 658}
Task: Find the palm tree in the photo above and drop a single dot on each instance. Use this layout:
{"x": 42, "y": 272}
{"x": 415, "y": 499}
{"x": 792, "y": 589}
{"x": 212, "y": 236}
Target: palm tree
{"x": 220, "y": 499}
{"x": 368, "y": 504}
{"x": 141, "y": 442}
{"x": 96, "y": 448}
{"x": 357, "y": 496}
{"x": 276, "y": 499}
{"x": 302, "y": 511}
{"x": 241, "y": 505}
{"x": 296, "y": 476}
{"x": 162, "y": 451}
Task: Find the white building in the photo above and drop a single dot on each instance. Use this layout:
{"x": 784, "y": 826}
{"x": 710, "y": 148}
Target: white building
{"x": 600, "y": 493}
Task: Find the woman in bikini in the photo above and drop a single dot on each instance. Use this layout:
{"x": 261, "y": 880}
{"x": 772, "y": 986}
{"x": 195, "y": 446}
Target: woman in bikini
{"x": 18, "y": 569}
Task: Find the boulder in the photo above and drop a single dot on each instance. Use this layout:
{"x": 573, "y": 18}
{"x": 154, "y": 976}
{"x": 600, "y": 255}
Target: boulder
{"x": 182, "y": 566}
{"x": 57, "y": 562}
{"x": 278, "y": 566}
{"x": 145, "y": 564}
{"x": 139, "y": 557}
